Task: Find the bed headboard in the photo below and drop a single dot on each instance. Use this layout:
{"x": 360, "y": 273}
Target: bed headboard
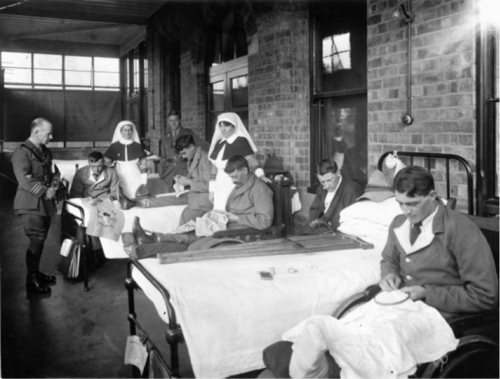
{"x": 428, "y": 160}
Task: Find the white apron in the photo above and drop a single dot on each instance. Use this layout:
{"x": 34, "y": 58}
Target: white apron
{"x": 130, "y": 177}
{"x": 223, "y": 183}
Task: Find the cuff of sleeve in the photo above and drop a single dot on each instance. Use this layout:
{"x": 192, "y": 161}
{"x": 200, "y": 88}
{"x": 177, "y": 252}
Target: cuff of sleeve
{"x": 259, "y": 172}
{"x": 211, "y": 186}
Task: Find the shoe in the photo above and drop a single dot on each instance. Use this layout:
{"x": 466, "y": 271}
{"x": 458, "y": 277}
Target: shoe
{"x": 140, "y": 235}
{"x": 125, "y": 202}
{"x": 33, "y": 284}
{"x": 45, "y": 279}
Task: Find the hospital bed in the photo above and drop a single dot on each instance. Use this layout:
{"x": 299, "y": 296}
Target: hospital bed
{"x": 227, "y": 314}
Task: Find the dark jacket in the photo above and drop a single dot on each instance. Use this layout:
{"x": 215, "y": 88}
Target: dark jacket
{"x": 347, "y": 193}
{"x": 33, "y": 172}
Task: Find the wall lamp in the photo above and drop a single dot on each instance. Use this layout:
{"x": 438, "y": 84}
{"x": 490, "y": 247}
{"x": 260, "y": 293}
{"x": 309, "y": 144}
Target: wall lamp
{"x": 408, "y": 16}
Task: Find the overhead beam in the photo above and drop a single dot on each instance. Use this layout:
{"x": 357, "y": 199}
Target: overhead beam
{"x": 83, "y": 13}
{"x": 62, "y": 29}
{"x": 59, "y": 47}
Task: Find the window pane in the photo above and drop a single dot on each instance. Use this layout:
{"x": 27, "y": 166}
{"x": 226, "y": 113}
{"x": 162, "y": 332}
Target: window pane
{"x": 217, "y": 98}
{"x": 106, "y": 80}
{"x": 342, "y": 56}
{"x": 78, "y": 63}
{"x": 239, "y": 91}
{"x": 77, "y": 78}
{"x": 79, "y": 88}
{"x": 107, "y": 64}
{"x": 344, "y": 135}
{"x": 47, "y": 61}
{"x": 18, "y": 75}
{"x": 16, "y": 59}
{"x": 48, "y": 77}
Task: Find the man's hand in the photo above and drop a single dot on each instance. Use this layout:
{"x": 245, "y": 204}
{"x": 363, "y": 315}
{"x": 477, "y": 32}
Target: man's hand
{"x": 265, "y": 179}
{"x": 211, "y": 197}
{"x": 390, "y": 283}
{"x": 183, "y": 180}
{"x": 231, "y": 217}
{"x": 50, "y": 193}
{"x": 416, "y": 292}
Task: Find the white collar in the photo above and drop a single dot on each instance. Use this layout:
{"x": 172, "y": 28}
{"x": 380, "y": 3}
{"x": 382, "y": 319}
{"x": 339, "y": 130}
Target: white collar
{"x": 423, "y": 240}
{"x": 124, "y": 141}
{"x": 231, "y": 139}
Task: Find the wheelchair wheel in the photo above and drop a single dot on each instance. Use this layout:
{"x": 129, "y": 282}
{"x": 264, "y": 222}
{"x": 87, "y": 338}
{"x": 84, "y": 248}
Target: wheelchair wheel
{"x": 475, "y": 357}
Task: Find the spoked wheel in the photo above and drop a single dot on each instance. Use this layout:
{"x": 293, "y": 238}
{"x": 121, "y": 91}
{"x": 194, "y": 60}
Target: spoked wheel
{"x": 475, "y": 357}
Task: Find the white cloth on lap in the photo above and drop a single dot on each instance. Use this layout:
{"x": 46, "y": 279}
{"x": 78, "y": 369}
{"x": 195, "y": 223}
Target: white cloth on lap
{"x": 373, "y": 341}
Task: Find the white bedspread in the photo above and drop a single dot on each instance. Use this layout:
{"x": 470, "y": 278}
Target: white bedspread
{"x": 159, "y": 220}
{"x": 229, "y": 314}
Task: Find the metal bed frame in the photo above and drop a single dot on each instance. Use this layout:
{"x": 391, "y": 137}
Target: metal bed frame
{"x": 173, "y": 332}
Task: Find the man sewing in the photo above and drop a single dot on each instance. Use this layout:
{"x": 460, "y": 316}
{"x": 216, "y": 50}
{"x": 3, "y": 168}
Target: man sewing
{"x": 250, "y": 204}
{"x": 334, "y": 194}
{"x": 96, "y": 180}
{"x": 197, "y": 179}
{"x": 433, "y": 253}
{"x": 171, "y": 162}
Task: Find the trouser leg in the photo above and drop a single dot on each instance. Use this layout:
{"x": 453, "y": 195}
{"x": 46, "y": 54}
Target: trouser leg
{"x": 153, "y": 249}
{"x": 36, "y": 229}
{"x": 164, "y": 201}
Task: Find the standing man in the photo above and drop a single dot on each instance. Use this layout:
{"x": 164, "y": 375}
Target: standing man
{"x": 95, "y": 180}
{"x": 35, "y": 199}
{"x": 171, "y": 162}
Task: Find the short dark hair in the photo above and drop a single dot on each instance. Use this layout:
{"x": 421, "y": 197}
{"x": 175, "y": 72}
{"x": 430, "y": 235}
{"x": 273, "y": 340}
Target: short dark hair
{"x": 236, "y": 162}
{"x": 226, "y": 123}
{"x": 326, "y": 165}
{"x": 38, "y": 122}
{"x": 174, "y": 112}
{"x": 414, "y": 181}
{"x": 95, "y": 156}
{"x": 184, "y": 141}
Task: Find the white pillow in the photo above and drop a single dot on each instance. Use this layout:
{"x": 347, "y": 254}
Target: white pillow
{"x": 378, "y": 213}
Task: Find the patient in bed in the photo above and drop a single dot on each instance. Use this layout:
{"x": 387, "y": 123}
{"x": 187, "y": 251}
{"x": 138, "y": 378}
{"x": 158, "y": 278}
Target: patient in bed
{"x": 96, "y": 180}
{"x": 334, "y": 194}
{"x": 433, "y": 254}
{"x": 250, "y": 204}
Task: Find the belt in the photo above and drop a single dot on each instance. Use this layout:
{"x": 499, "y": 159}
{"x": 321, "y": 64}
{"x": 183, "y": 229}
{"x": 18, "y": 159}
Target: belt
{"x": 174, "y": 160}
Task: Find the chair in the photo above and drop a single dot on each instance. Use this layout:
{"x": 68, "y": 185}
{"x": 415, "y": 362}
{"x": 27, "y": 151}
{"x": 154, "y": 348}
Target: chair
{"x": 281, "y": 198}
{"x": 477, "y": 353}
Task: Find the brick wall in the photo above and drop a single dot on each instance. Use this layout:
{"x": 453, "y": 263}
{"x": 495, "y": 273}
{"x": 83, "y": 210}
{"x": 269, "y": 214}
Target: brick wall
{"x": 442, "y": 75}
{"x": 279, "y": 88}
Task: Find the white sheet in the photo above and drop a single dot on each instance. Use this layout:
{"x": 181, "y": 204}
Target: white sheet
{"x": 68, "y": 168}
{"x": 229, "y": 314}
{"x": 159, "y": 220}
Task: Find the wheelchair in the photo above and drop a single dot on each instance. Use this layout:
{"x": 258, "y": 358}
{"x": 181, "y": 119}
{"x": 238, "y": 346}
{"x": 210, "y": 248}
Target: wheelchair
{"x": 478, "y": 353}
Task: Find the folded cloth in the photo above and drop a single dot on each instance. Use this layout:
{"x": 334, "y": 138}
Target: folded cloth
{"x": 374, "y": 341}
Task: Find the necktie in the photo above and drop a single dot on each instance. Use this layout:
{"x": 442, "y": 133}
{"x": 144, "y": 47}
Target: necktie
{"x": 96, "y": 176}
{"x": 414, "y": 232}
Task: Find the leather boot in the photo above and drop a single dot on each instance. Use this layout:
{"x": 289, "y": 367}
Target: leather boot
{"x": 33, "y": 284}
{"x": 126, "y": 203}
{"x": 45, "y": 279}
{"x": 140, "y": 235}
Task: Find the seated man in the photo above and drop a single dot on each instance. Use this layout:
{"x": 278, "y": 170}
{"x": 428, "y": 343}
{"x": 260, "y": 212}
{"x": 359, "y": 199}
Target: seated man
{"x": 433, "y": 253}
{"x": 334, "y": 194}
{"x": 198, "y": 177}
{"x": 95, "y": 180}
{"x": 250, "y": 204}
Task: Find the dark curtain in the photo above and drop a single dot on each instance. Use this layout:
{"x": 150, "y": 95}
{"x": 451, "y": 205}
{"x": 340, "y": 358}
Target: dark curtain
{"x": 75, "y": 115}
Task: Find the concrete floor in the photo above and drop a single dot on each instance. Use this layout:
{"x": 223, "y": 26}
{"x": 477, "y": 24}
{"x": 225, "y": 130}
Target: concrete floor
{"x": 71, "y": 333}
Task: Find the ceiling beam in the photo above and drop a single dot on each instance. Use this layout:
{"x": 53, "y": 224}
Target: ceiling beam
{"x": 62, "y": 29}
{"x": 82, "y": 13}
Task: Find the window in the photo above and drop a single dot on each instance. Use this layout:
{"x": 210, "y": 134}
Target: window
{"x": 488, "y": 112}
{"x": 339, "y": 112}
{"x": 51, "y": 71}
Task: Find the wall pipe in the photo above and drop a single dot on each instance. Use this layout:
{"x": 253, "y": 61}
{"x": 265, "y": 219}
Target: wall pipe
{"x": 407, "y": 119}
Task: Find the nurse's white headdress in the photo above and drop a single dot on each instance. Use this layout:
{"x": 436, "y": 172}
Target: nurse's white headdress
{"x": 240, "y": 130}
{"x": 117, "y": 136}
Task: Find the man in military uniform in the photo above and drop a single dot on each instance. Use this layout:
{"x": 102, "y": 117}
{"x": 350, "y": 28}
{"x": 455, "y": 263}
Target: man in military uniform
{"x": 171, "y": 162}
{"x": 35, "y": 199}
